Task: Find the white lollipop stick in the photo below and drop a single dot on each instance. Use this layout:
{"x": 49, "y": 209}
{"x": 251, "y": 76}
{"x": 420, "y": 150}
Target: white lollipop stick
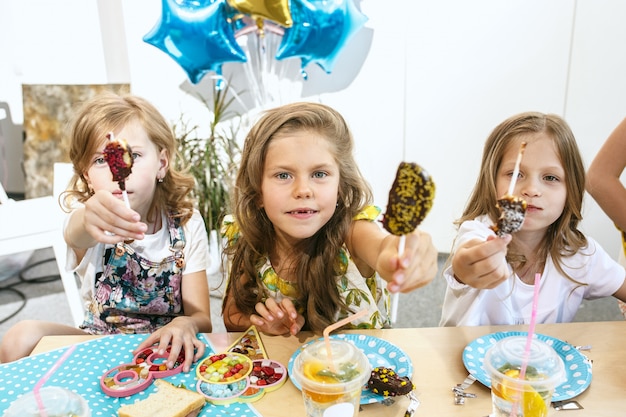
{"x": 395, "y": 297}
{"x": 516, "y": 169}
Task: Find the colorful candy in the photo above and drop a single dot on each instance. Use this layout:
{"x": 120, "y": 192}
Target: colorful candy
{"x": 224, "y": 368}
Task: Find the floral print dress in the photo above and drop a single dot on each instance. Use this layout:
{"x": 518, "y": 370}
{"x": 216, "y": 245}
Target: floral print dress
{"x": 358, "y": 292}
{"x": 134, "y": 294}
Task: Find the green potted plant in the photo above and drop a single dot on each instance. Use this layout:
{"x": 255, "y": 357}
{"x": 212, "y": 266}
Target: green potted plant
{"x": 212, "y": 158}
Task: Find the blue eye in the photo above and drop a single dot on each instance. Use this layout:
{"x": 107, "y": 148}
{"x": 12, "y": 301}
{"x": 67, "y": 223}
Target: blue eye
{"x": 282, "y": 176}
{"x": 320, "y": 174}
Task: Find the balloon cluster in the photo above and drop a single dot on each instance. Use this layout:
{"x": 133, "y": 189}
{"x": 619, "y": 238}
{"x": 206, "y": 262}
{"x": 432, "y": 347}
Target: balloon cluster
{"x": 202, "y": 35}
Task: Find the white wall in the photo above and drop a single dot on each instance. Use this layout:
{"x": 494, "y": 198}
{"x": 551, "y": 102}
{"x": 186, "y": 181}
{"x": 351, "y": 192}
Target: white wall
{"x": 436, "y": 77}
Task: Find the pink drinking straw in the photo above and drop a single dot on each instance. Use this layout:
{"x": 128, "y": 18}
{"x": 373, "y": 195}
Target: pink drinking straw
{"x": 39, "y": 384}
{"x": 529, "y": 338}
{"x": 334, "y": 326}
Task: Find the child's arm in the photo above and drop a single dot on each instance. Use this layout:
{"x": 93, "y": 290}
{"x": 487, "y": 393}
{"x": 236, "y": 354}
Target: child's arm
{"x": 481, "y": 264}
{"x": 102, "y": 215}
{"x": 621, "y": 292}
{"x": 181, "y": 332}
{"x": 272, "y": 317}
{"x": 371, "y": 247}
{"x": 603, "y": 176}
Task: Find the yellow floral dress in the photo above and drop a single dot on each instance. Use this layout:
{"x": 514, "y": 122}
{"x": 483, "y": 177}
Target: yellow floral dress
{"x": 358, "y": 292}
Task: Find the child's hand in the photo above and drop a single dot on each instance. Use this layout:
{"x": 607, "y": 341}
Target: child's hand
{"x": 482, "y": 264}
{"x": 181, "y": 334}
{"x": 416, "y": 267}
{"x": 108, "y": 220}
{"x": 277, "y": 318}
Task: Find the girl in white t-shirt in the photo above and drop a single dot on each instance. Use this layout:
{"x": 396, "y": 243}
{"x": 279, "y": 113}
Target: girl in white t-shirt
{"x": 143, "y": 267}
{"x": 490, "y": 279}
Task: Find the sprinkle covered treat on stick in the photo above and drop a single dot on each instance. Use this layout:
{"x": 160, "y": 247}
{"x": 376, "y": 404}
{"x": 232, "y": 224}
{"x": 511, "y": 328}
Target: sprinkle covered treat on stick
{"x": 386, "y": 382}
{"x": 119, "y": 156}
{"x": 410, "y": 199}
{"x": 512, "y": 209}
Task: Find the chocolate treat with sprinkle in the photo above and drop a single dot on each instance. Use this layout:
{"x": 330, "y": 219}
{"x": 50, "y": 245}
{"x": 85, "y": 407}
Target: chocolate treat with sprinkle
{"x": 512, "y": 209}
{"x": 410, "y": 199}
{"x": 119, "y": 156}
{"x": 512, "y": 214}
{"x": 385, "y": 382}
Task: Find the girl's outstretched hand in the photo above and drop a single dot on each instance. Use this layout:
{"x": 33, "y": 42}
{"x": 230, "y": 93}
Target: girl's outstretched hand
{"x": 181, "y": 334}
{"x": 482, "y": 264}
{"x": 108, "y": 220}
{"x": 416, "y": 267}
{"x": 277, "y": 318}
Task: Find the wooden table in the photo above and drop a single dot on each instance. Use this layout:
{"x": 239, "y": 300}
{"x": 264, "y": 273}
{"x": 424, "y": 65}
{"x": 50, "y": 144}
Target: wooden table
{"x": 438, "y": 366}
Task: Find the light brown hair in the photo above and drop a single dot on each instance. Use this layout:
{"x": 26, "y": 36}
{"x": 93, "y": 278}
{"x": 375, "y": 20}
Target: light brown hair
{"x": 562, "y": 238}
{"x": 317, "y": 266}
{"x": 107, "y": 112}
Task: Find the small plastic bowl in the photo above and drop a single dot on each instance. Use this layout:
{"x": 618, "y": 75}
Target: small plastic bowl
{"x": 221, "y": 394}
{"x": 57, "y": 401}
{"x": 267, "y": 374}
{"x": 131, "y": 378}
{"x": 224, "y": 368}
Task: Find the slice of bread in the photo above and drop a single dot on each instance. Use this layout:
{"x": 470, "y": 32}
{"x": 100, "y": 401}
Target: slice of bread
{"x": 168, "y": 401}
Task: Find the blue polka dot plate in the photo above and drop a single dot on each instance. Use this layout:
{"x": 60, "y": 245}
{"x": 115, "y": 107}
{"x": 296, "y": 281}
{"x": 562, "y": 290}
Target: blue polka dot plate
{"x": 379, "y": 352}
{"x": 577, "y": 365}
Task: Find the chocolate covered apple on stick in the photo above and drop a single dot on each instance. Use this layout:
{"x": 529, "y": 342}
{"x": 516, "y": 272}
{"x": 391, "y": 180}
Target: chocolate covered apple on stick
{"x": 512, "y": 209}
{"x": 410, "y": 199}
{"x": 119, "y": 156}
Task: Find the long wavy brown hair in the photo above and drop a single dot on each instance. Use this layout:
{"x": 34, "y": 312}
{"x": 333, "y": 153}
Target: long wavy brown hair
{"x": 316, "y": 258}
{"x": 562, "y": 239}
{"x": 108, "y": 112}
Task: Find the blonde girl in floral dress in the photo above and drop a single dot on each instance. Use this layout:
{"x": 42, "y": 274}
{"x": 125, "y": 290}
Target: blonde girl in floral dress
{"x": 303, "y": 246}
{"x": 143, "y": 268}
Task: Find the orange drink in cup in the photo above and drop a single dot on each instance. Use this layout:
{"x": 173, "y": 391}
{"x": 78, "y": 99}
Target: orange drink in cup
{"x": 530, "y": 396}
{"x": 331, "y": 383}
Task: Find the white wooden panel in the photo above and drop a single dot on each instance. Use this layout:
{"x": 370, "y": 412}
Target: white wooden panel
{"x": 57, "y": 42}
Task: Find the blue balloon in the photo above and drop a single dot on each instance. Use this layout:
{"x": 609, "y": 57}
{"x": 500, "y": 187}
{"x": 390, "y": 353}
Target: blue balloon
{"x": 197, "y": 34}
{"x": 321, "y": 29}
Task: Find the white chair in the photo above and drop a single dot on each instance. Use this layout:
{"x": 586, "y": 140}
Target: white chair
{"x": 62, "y": 174}
{"x": 37, "y": 223}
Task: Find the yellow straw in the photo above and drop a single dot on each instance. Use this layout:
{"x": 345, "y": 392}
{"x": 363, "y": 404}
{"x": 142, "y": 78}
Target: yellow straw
{"x": 334, "y": 326}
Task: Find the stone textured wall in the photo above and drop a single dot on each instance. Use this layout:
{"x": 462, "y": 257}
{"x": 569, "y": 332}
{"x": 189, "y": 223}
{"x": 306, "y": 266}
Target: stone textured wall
{"x": 47, "y": 110}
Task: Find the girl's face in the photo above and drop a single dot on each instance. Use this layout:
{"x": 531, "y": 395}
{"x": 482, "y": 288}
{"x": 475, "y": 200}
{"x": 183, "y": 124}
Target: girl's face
{"x": 541, "y": 181}
{"x": 300, "y": 184}
{"x": 148, "y": 165}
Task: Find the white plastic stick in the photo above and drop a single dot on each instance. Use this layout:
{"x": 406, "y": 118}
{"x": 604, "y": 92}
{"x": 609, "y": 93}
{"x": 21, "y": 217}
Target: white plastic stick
{"x": 516, "y": 169}
{"x": 395, "y": 297}
{"x": 125, "y": 196}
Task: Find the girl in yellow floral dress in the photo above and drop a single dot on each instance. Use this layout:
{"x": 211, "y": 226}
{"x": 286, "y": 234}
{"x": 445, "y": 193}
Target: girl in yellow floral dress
{"x": 303, "y": 247}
